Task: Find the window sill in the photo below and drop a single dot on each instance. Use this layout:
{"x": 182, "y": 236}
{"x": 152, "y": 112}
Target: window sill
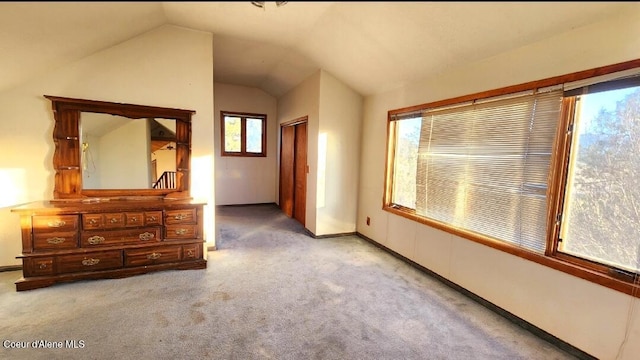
{"x": 243, "y": 155}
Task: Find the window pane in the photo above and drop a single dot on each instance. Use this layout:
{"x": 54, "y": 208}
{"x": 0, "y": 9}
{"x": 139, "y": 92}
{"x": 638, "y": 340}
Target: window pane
{"x": 484, "y": 167}
{"x": 254, "y": 135}
{"x": 601, "y": 220}
{"x": 405, "y": 162}
{"x": 232, "y": 142}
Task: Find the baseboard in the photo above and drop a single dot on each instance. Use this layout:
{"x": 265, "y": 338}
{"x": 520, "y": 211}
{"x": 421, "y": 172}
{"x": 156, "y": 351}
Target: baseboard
{"x": 561, "y": 344}
{"x": 329, "y": 235}
{"x": 250, "y": 204}
{"x": 10, "y": 268}
{"x": 212, "y": 248}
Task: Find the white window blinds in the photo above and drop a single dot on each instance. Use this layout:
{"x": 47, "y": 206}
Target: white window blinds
{"x": 483, "y": 167}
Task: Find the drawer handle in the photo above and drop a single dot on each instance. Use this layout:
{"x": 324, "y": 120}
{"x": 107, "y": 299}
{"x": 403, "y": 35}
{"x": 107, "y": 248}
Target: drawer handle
{"x": 190, "y": 253}
{"x": 113, "y": 220}
{"x": 154, "y": 256}
{"x": 55, "y": 240}
{"x": 134, "y": 219}
{"x": 146, "y": 236}
{"x": 93, "y": 222}
{"x": 94, "y": 240}
{"x": 56, "y": 223}
{"x": 180, "y": 217}
{"x": 90, "y": 262}
{"x": 43, "y": 266}
{"x": 181, "y": 231}
{"x": 152, "y": 218}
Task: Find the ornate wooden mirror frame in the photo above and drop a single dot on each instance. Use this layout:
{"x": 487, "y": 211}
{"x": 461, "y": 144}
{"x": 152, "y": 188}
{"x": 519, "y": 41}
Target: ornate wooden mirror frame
{"x": 67, "y": 155}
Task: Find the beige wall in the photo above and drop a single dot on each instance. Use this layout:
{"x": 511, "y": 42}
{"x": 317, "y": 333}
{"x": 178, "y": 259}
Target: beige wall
{"x": 246, "y": 180}
{"x": 333, "y": 143}
{"x": 338, "y": 156}
{"x": 124, "y": 157}
{"x": 169, "y": 66}
{"x": 304, "y": 100}
{"x": 586, "y": 315}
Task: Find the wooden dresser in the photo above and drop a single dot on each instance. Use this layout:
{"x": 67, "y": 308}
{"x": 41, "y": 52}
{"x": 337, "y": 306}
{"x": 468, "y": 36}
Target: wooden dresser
{"x": 109, "y": 238}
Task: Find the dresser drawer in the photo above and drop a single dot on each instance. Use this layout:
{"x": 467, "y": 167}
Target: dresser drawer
{"x": 40, "y": 266}
{"x": 119, "y": 237}
{"x": 192, "y": 252}
{"x": 103, "y": 221}
{"x": 150, "y": 256}
{"x": 181, "y": 232}
{"x": 153, "y": 218}
{"x": 184, "y": 216}
{"x": 102, "y": 260}
{"x": 133, "y": 219}
{"x": 60, "y": 223}
{"x": 92, "y": 221}
{"x": 55, "y": 241}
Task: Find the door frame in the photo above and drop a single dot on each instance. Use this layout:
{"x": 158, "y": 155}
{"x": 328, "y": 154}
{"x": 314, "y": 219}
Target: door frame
{"x": 295, "y": 122}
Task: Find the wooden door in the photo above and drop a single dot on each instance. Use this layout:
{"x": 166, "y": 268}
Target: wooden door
{"x": 293, "y": 170}
{"x": 287, "y": 160}
{"x": 300, "y": 174}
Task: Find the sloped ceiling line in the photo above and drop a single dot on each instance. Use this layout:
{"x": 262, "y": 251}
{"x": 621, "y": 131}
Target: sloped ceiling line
{"x": 370, "y": 46}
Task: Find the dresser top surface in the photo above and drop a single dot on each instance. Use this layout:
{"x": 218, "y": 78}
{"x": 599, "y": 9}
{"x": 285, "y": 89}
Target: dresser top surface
{"x": 102, "y": 205}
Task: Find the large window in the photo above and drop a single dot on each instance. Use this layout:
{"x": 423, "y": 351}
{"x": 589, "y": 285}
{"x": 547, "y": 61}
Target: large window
{"x": 243, "y": 134}
{"x": 547, "y": 170}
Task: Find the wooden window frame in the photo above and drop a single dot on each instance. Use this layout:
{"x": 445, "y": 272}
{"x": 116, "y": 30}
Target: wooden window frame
{"x": 588, "y": 270}
{"x": 243, "y": 134}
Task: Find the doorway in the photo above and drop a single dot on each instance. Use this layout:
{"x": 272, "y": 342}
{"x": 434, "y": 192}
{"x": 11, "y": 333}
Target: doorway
{"x": 293, "y": 169}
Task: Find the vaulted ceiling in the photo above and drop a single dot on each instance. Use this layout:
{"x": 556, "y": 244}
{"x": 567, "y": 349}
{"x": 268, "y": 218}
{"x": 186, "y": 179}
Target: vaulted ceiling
{"x": 371, "y": 46}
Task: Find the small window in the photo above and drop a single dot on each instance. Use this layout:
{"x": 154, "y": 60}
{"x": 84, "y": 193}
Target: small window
{"x": 243, "y": 134}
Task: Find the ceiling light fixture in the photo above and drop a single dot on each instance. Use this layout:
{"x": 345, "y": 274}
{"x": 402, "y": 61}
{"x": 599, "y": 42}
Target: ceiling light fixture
{"x": 261, "y": 4}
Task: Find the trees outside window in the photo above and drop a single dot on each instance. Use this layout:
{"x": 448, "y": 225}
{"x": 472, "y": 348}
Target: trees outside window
{"x": 601, "y": 217}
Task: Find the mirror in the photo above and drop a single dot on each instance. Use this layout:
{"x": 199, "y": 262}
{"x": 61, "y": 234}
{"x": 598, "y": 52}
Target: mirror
{"x": 112, "y": 145}
{"x": 105, "y": 149}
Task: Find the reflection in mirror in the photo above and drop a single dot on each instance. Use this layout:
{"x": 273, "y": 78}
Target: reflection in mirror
{"x": 123, "y": 153}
